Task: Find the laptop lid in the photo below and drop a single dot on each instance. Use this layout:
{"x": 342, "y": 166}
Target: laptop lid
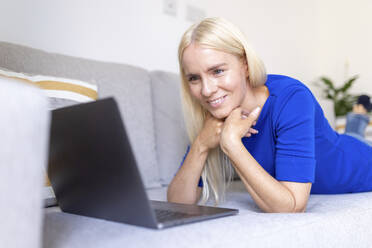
{"x": 92, "y": 167}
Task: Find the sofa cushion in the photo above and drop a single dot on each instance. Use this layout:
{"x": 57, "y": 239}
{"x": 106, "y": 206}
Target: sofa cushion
{"x": 330, "y": 221}
{"x": 24, "y": 129}
{"x": 170, "y": 131}
{"x": 129, "y": 85}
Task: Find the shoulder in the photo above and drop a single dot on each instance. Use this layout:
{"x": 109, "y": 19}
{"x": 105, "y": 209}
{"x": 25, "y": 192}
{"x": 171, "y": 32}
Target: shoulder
{"x": 290, "y": 94}
{"x": 280, "y": 85}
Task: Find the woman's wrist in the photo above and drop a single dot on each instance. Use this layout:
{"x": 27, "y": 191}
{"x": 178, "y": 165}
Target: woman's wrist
{"x": 200, "y": 147}
{"x": 231, "y": 147}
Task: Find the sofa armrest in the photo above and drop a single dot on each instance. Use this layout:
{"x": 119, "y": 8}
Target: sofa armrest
{"x": 24, "y": 125}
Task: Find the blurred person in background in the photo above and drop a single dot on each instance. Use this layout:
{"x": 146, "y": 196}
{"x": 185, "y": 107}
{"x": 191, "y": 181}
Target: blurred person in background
{"x": 358, "y": 120}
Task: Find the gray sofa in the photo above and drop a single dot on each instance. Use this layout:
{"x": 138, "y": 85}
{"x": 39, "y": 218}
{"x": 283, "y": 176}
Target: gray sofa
{"x": 150, "y": 106}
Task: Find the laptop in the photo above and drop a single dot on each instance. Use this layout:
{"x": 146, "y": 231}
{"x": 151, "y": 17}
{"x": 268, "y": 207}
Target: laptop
{"x": 93, "y": 171}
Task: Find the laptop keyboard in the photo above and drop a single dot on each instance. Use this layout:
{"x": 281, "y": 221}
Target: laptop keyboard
{"x": 166, "y": 215}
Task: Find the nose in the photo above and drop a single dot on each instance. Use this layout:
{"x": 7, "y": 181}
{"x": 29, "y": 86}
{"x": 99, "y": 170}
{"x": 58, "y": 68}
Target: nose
{"x": 208, "y": 87}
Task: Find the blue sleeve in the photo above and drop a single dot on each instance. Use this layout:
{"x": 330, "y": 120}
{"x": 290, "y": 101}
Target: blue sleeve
{"x": 200, "y": 184}
{"x": 295, "y": 137}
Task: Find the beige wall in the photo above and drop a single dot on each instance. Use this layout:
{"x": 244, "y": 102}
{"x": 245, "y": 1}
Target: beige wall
{"x": 281, "y": 31}
{"x": 303, "y": 39}
{"x": 345, "y": 41}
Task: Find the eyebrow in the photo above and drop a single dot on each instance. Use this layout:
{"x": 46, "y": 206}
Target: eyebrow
{"x": 209, "y": 69}
{"x": 215, "y": 66}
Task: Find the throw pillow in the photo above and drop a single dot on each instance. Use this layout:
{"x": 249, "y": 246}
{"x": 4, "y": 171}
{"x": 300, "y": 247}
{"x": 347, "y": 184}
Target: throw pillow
{"x": 61, "y": 92}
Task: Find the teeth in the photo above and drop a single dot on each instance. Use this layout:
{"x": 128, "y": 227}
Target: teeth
{"x": 217, "y": 100}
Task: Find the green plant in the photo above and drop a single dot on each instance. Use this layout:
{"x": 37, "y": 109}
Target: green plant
{"x": 342, "y": 99}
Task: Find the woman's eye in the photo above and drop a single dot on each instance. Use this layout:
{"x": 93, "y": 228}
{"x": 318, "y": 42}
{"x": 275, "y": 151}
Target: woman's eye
{"x": 192, "y": 78}
{"x": 218, "y": 71}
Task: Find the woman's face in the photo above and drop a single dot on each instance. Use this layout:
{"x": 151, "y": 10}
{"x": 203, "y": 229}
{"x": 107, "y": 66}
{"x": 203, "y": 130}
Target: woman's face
{"x": 218, "y": 80}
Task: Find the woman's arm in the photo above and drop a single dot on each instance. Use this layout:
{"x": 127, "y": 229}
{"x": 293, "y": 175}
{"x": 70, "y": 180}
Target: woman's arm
{"x": 269, "y": 194}
{"x": 184, "y": 186}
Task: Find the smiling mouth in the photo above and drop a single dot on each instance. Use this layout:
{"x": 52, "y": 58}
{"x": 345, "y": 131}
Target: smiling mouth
{"x": 217, "y": 102}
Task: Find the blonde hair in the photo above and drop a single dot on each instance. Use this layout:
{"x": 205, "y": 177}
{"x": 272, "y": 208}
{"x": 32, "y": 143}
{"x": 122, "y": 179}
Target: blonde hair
{"x": 218, "y": 34}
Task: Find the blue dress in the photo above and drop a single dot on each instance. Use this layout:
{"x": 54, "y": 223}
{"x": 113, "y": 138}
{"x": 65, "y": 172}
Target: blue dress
{"x": 296, "y": 143}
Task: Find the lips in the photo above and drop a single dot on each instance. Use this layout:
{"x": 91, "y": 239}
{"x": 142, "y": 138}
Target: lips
{"x": 217, "y": 101}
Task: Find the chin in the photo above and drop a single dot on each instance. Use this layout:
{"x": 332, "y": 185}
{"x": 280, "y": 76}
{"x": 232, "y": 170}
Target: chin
{"x": 219, "y": 114}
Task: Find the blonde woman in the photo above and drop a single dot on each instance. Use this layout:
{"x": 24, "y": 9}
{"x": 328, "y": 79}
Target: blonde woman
{"x": 270, "y": 128}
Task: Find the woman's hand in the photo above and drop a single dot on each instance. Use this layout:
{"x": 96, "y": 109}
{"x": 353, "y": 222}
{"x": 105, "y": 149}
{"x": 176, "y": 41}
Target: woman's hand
{"x": 237, "y": 125}
{"x": 209, "y": 136}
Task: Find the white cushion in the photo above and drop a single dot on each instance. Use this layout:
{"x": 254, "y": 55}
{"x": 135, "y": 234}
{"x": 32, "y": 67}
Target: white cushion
{"x": 24, "y": 139}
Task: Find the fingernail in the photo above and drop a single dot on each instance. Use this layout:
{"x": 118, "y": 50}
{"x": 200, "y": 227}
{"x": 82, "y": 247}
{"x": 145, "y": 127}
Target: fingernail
{"x": 256, "y": 111}
{"x": 245, "y": 112}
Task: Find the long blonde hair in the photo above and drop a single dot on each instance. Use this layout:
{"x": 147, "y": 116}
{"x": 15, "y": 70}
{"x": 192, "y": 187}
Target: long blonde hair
{"x": 218, "y": 34}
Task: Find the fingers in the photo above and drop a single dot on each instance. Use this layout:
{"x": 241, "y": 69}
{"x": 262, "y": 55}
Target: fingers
{"x": 252, "y": 130}
{"x": 249, "y": 119}
{"x": 253, "y": 118}
{"x": 254, "y": 114}
{"x": 244, "y": 114}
